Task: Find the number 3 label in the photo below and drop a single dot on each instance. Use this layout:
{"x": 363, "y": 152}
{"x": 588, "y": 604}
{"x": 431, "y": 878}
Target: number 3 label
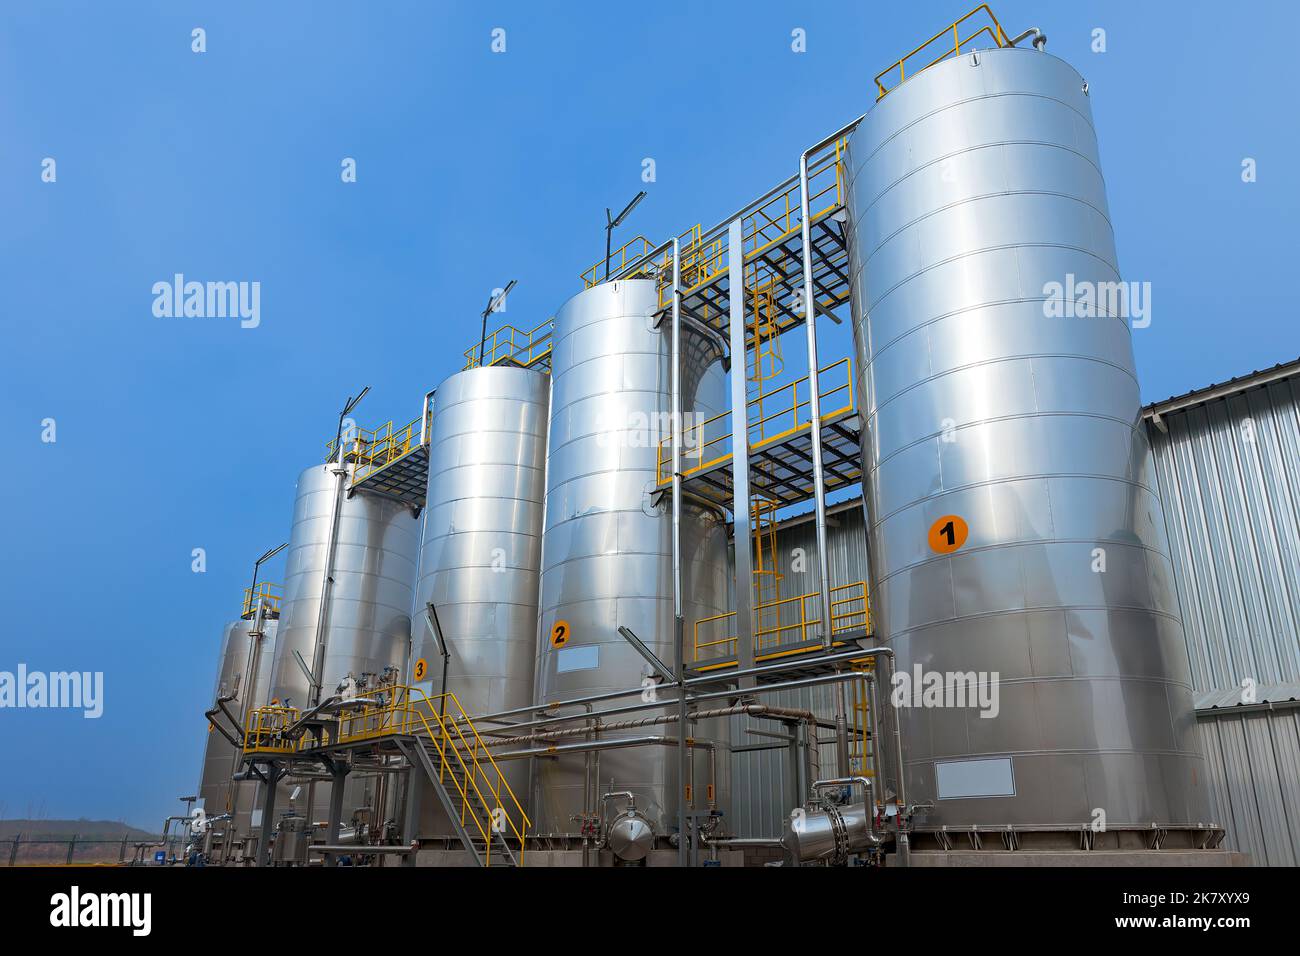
{"x": 948, "y": 534}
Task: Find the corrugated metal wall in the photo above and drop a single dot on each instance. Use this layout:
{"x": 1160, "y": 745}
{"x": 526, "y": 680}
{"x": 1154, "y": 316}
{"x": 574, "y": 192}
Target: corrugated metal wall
{"x": 1229, "y": 475}
{"x": 1229, "y": 478}
{"x": 1254, "y": 766}
{"x": 760, "y": 780}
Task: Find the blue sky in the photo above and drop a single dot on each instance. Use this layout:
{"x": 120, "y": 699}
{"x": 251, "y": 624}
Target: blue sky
{"x": 473, "y": 168}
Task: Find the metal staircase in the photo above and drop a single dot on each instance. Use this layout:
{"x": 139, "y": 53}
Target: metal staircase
{"x": 487, "y": 845}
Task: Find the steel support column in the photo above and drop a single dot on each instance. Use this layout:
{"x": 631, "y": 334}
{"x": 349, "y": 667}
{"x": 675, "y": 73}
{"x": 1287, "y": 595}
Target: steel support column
{"x": 271, "y": 777}
{"x": 679, "y": 623}
{"x": 814, "y": 403}
{"x": 336, "y": 810}
{"x": 411, "y": 811}
{"x": 740, "y": 454}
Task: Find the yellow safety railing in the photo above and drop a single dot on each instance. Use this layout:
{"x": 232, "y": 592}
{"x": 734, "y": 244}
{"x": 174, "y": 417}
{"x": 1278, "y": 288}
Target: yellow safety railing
{"x": 953, "y": 41}
{"x": 629, "y": 252}
{"x": 465, "y": 758}
{"x": 788, "y": 621}
{"x": 265, "y": 727}
{"x": 770, "y": 223}
{"x": 265, "y": 593}
{"x": 374, "y": 448}
{"x": 766, "y": 224}
{"x": 862, "y": 749}
{"x": 511, "y": 345}
{"x": 772, "y": 417}
{"x": 408, "y": 711}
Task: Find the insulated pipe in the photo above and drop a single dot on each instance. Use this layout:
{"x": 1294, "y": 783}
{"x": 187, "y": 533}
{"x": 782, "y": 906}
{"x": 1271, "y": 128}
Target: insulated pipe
{"x": 590, "y": 745}
{"x": 703, "y": 681}
{"x": 752, "y": 710}
{"x": 1040, "y": 38}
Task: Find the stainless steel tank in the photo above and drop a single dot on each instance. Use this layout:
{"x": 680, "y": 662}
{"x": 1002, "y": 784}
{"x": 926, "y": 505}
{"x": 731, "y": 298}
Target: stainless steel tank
{"x": 366, "y": 619}
{"x": 607, "y": 543}
{"x": 367, "y": 622}
{"x": 973, "y": 187}
{"x": 482, "y": 547}
{"x": 244, "y": 670}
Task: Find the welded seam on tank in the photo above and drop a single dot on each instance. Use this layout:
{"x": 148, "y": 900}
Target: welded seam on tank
{"x": 1037, "y": 608}
{"x": 1025, "y": 543}
{"x": 1004, "y": 247}
{"x": 1025, "y": 356}
{"x": 867, "y": 208}
{"x": 1006, "y": 418}
{"x": 969, "y": 200}
{"x": 957, "y": 104}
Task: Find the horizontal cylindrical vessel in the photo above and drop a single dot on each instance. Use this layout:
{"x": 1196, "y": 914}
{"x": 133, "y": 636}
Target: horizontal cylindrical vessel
{"x": 244, "y": 672}
{"x": 1015, "y": 530}
{"x": 607, "y": 543}
{"x": 482, "y": 546}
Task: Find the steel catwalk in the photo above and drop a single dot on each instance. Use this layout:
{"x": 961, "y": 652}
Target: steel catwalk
{"x": 482, "y": 546}
{"x": 972, "y": 187}
{"x": 607, "y": 543}
{"x": 235, "y": 676}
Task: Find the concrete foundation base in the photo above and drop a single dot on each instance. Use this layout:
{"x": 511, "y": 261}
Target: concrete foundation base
{"x": 567, "y": 858}
{"x": 1079, "y": 858}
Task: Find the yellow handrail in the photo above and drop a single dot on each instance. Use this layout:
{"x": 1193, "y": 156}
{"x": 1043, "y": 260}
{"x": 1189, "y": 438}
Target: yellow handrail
{"x": 266, "y": 593}
{"x": 632, "y": 250}
{"x": 406, "y": 711}
{"x": 374, "y": 448}
{"x": 516, "y": 346}
{"x": 264, "y": 730}
{"x": 849, "y": 611}
{"x": 995, "y": 31}
{"x": 708, "y": 443}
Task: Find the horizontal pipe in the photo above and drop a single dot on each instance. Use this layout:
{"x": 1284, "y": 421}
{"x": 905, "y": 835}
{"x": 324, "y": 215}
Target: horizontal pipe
{"x": 358, "y": 849}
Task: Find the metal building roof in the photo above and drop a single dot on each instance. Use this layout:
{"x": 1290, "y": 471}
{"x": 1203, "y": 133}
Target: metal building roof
{"x": 1229, "y": 698}
{"x": 1233, "y": 386}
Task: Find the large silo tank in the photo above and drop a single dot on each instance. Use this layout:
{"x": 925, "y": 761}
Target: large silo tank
{"x": 482, "y": 542}
{"x": 973, "y": 186}
{"x": 607, "y": 545}
{"x": 367, "y": 622}
{"x": 240, "y": 657}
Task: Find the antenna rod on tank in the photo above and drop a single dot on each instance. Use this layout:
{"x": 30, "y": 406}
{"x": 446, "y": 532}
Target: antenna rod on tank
{"x": 494, "y": 302}
{"x": 612, "y": 224}
{"x": 347, "y": 407}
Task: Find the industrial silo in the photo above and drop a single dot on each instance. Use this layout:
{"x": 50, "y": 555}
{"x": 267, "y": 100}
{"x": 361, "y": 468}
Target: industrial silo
{"x": 1014, "y": 522}
{"x": 482, "y": 544}
{"x": 244, "y": 673}
{"x": 349, "y": 583}
{"x": 607, "y": 544}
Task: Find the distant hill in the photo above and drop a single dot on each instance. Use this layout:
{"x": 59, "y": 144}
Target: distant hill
{"x": 67, "y": 829}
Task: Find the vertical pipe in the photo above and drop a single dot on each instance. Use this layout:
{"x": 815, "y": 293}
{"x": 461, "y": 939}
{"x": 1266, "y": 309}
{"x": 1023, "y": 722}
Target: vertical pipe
{"x": 268, "y": 815}
{"x": 740, "y": 454}
{"x": 841, "y": 730}
{"x": 336, "y": 812}
{"x": 873, "y": 715}
{"x": 679, "y": 624}
{"x": 814, "y": 401}
{"x": 327, "y": 584}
